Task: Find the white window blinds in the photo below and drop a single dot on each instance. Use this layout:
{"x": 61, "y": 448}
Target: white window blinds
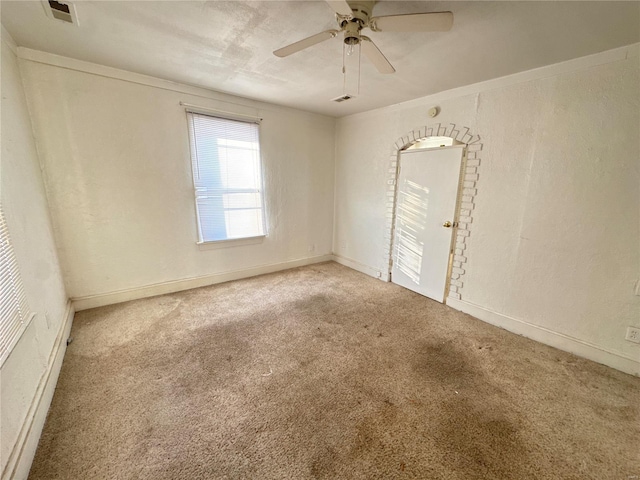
{"x": 227, "y": 177}
{"x": 13, "y": 303}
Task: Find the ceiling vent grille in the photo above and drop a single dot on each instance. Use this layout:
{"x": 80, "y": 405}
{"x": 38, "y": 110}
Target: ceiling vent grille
{"x": 342, "y": 98}
{"x": 60, "y": 10}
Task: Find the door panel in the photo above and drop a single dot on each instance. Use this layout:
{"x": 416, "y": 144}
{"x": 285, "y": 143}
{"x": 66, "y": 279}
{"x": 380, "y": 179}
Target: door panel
{"x": 427, "y": 193}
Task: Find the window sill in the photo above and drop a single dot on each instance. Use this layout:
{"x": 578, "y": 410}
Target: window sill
{"x": 238, "y": 242}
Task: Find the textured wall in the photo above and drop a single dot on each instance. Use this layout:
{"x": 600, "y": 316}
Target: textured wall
{"x": 555, "y": 234}
{"x": 117, "y": 167}
{"x": 25, "y": 206}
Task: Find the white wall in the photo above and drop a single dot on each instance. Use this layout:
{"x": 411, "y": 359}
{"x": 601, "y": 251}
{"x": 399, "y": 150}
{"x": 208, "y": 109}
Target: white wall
{"x": 554, "y": 245}
{"x": 29, "y": 374}
{"x": 115, "y": 153}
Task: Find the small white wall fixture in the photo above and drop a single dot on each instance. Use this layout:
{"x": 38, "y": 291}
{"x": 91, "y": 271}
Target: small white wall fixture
{"x": 466, "y": 201}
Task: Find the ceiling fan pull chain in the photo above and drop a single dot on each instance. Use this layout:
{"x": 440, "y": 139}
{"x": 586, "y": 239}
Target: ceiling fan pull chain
{"x": 359, "y": 65}
{"x": 344, "y": 73}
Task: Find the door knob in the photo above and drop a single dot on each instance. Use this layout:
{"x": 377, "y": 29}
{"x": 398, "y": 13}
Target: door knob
{"x": 447, "y": 224}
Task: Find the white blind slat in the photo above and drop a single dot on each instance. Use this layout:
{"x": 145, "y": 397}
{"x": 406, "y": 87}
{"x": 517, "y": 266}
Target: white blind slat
{"x": 227, "y": 177}
{"x": 13, "y": 302}
{"x": 9, "y": 339}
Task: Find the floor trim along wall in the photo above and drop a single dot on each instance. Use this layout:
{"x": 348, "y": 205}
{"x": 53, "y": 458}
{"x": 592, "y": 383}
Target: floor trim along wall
{"x": 360, "y": 267}
{"x": 92, "y": 301}
{"x": 24, "y": 450}
{"x": 581, "y": 348}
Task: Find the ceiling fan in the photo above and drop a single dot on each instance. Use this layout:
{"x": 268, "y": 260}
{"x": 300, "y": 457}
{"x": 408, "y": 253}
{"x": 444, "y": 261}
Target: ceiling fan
{"x": 354, "y": 16}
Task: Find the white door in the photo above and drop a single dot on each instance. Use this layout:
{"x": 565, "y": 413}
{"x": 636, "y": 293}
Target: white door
{"x": 425, "y": 210}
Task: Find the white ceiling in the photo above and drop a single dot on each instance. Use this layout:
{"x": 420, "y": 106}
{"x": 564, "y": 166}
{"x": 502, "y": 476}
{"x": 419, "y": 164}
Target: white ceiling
{"x": 227, "y": 46}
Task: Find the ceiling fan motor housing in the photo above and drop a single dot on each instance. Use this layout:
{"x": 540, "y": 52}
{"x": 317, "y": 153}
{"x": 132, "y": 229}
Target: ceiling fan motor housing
{"x": 361, "y": 11}
{"x": 356, "y": 22}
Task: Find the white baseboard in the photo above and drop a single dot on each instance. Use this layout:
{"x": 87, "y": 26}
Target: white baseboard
{"x": 24, "y": 450}
{"x": 92, "y": 301}
{"x": 360, "y": 267}
{"x": 587, "y": 350}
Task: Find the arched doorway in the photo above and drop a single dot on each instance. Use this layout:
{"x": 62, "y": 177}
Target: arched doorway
{"x": 436, "y": 135}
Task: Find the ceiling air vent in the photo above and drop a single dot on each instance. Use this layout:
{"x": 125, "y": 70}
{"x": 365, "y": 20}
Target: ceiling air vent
{"x": 60, "y": 10}
{"x": 342, "y": 98}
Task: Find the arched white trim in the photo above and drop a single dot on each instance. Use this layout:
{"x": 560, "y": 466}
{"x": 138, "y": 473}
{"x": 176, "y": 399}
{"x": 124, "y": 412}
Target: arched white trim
{"x": 466, "y": 204}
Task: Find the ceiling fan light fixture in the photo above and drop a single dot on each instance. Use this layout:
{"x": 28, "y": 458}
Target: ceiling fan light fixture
{"x": 350, "y": 43}
{"x": 353, "y": 40}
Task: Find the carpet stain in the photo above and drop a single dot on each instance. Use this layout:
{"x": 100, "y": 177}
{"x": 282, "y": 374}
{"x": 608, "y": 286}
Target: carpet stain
{"x": 445, "y": 364}
{"x": 474, "y": 436}
{"x": 479, "y": 442}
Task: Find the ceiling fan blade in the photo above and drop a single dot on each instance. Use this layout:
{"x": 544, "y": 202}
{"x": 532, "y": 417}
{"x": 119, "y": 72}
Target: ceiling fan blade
{"x": 413, "y": 22}
{"x": 341, "y": 7}
{"x": 373, "y": 53}
{"x": 305, "y": 43}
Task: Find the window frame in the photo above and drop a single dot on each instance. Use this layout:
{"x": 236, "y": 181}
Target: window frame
{"x": 226, "y": 242}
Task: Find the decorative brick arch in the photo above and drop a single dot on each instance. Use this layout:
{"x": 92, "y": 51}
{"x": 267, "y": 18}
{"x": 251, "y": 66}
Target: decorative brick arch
{"x": 466, "y": 200}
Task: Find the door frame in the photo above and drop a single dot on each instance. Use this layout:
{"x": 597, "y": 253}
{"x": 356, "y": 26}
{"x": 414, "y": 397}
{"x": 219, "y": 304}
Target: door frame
{"x": 465, "y": 204}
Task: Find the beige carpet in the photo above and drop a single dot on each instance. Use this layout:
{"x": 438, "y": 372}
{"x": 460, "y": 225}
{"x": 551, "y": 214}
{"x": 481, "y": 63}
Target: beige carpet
{"x": 322, "y": 372}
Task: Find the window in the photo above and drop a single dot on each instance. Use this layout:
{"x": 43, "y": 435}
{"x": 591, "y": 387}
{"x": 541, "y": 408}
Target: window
{"x": 227, "y": 178}
{"x": 13, "y": 303}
